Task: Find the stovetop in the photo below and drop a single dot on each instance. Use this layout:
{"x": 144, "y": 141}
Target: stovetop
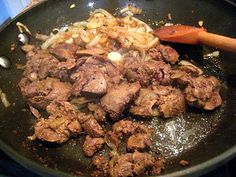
{"x": 10, "y": 168}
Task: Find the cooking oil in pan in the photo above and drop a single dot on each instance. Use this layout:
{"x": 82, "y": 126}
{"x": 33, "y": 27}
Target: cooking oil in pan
{"x": 175, "y": 136}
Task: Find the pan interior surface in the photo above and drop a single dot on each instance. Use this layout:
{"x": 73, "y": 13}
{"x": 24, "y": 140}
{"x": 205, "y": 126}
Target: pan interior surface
{"x": 195, "y": 136}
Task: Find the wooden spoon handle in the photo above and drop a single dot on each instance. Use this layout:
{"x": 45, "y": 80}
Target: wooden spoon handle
{"x": 217, "y": 41}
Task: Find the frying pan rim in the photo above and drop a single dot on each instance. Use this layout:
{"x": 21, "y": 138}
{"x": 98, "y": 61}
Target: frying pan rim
{"x": 196, "y": 169}
{"x": 42, "y": 170}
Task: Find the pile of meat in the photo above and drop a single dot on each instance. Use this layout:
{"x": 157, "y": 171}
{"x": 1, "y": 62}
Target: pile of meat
{"x": 82, "y": 91}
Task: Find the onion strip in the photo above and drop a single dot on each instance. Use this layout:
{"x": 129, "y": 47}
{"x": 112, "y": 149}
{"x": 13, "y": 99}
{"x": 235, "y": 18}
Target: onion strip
{"x": 4, "y": 99}
{"x": 94, "y": 42}
{"x": 23, "y": 28}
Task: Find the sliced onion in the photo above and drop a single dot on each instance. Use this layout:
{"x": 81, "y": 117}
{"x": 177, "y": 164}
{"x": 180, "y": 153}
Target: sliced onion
{"x": 104, "y": 12}
{"x": 35, "y": 112}
{"x": 41, "y": 37}
{"x": 4, "y": 99}
{"x": 32, "y": 137}
{"x": 94, "y": 42}
{"x": 80, "y": 24}
{"x": 84, "y": 36}
{"x": 151, "y": 44}
{"x": 115, "y": 157}
{"x": 189, "y": 66}
{"x": 148, "y": 28}
{"x": 52, "y": 40}
{"x": 23, "y": 28}
{"x": 132, "y": 9}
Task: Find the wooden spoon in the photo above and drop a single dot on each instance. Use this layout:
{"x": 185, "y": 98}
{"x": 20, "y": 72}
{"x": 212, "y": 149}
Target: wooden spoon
{"x": 193, "y": 35}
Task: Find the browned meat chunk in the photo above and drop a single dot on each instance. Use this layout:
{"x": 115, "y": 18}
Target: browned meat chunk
{"x": 92, "y": 145}
{"x": 46, "y": 131}
{"x": 126, "y": 127}
{"x": 134, "y": 164}
{"x": 181, "y": 78}
{"x": 142, "y": 128}
{"x": 131, "y": 58}
{"x": 97, "y": 84}
{"x": 90, "y": 125}
{"x": 110, "y": 71}
{"x": 123, "y": 167}
{"x": 163, "y": 100}
{"x": 145, "y": 104}
{"x": 61, "y": 124}
{"x": 98, "y": 173}
{"x": 142, "y": 161}
{"x": 100, "y": 163}
{"x": 139, "y": 141}
{"x": 165, "y": 53}
{"x": 90, "y": 81}
{"x": 62, "y": 108}
{"x": 203, "y": 92}
{"x": 94, "y": 75}
{"x": 40, "y": 64}
{"x": 118, "y": 97}
{"x": 149, "y": 72}
{"x": 64, "y": 50}
{"x": 98, "y": 113}
{"x": 183, "y": 75}
{"x": 56, "y": 129}
{"x": 159, "y": 165}
{"x": 92, "y": 128}
{"x": 41, "y": 93}
{"x": 112, "y": 140}
{"x": 171, "y": 101}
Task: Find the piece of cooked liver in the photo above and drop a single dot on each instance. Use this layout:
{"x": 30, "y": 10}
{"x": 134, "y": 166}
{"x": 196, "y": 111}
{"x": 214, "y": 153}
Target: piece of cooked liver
{"x": 92, "y": 145}
{"x": 118, "y": 97}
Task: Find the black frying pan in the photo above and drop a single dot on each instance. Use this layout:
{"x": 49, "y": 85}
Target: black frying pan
{"x": 193, "y": 137}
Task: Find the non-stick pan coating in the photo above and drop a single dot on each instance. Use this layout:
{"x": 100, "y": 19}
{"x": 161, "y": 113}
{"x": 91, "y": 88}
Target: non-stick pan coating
{"x": 205, "y": 139}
